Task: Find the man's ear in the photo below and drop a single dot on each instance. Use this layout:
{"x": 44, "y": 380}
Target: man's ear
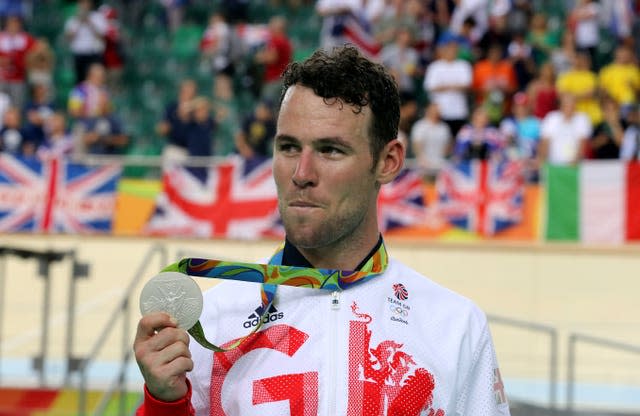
{"x": 391, "y": 161}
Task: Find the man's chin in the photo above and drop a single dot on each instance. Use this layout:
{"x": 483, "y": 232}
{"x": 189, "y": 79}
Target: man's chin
{"x": 303, "y": 240}
{"x": 303, "y": 236}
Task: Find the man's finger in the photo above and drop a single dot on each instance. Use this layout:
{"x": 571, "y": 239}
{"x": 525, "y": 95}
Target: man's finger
{"x": 154, "y": 322}
{"x": 168, "y": 336}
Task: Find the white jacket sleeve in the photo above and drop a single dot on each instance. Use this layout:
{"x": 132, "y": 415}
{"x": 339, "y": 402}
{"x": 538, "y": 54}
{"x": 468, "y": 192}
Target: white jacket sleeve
{"x": 483, "y": 393}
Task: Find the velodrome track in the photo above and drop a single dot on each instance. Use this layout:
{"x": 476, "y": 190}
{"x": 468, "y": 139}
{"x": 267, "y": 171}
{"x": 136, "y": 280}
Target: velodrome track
{"x": 594, "y": 291}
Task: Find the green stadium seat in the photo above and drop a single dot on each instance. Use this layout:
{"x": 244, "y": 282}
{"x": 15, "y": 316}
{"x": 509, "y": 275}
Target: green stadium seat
{"x": 186, "y": 41}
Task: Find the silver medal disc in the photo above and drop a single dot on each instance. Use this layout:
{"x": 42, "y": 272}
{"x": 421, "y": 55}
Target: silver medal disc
{"x": 174, "y": 293}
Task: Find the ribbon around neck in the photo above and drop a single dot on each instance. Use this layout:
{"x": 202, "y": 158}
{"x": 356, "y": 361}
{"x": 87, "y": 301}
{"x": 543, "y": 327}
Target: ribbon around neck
{"x": 270, "y": 276}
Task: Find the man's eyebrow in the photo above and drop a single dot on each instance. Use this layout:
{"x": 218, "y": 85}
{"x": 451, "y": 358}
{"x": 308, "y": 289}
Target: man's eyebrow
{"x": 335, "y": 140}
{"x": 322, "y": 141}
{"x": 285, "y": 138}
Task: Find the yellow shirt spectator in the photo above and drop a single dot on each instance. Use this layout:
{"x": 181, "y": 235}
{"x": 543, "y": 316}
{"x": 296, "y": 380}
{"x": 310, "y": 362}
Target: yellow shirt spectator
{"x": 621, "y": 82}
{"x": 582, "y": 84}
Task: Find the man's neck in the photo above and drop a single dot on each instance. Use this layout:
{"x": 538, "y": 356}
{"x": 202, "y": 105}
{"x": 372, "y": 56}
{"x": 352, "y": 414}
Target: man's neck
{"x": 329, "y": 259}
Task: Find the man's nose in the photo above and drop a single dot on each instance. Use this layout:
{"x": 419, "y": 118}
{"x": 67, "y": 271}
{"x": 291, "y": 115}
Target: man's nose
{"x": 305, "y": 173}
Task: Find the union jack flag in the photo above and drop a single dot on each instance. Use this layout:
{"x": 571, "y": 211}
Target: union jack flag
{"x": 356, "y": 30}
{"x": 401, "y": 202}
{"x": 236, "y": 203}
{"x": 482, "y": 196}
{"x": 55, "y": 196}
{"x": 232, "y": 203}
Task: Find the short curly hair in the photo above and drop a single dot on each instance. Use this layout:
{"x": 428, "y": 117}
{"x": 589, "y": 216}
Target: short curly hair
{"x": 345, "y": 75}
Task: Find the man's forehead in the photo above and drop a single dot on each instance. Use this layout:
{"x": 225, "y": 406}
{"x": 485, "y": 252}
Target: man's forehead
{"x": 307, "y": 116}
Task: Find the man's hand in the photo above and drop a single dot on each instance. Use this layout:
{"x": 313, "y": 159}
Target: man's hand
{"x": 162, "y": 353}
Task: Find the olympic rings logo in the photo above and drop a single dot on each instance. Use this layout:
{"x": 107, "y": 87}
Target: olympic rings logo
{"x": 397, "y": 310}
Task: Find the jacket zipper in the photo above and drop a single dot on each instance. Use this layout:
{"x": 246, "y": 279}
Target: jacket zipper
{"x": 335, "y": 307}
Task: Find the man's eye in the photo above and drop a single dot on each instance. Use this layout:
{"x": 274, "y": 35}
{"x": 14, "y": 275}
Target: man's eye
{"x": 330, "y": 150}
{"x": 286, "y": 147}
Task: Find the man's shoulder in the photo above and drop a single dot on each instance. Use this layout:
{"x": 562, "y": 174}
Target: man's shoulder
{"x": 425, "y": 286}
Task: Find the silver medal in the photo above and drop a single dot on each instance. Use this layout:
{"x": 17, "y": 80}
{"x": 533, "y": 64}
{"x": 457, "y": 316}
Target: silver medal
{"x": 174, "y": 293}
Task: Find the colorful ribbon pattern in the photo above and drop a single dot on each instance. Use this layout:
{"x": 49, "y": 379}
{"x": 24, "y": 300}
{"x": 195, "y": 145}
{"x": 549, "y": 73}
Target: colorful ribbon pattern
{"x": 273, "y": 274}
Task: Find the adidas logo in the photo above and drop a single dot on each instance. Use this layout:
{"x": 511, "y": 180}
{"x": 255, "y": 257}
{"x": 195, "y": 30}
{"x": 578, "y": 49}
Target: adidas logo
{"x": 271, "y": 316}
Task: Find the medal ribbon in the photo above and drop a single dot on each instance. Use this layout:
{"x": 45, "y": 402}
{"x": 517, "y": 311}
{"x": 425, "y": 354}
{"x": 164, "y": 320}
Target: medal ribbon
{"x": 270, "y": 276}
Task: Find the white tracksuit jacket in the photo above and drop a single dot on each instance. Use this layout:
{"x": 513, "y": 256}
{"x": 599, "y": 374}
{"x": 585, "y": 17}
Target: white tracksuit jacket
{"x": 396, "y": 345}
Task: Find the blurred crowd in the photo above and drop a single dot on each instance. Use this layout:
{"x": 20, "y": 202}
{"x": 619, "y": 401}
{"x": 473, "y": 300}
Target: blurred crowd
{"x": 479, "y": 79}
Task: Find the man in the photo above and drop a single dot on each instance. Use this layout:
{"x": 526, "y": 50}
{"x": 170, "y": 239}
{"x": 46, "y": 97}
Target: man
{"x": 621, "y": 78}
{"x": 274, "y": 58}
{"x": 90, "y": 98}
{"x": 581, "y": 82}
{"x": 448, "y": 81}
{"x": 564, "y": 134}
{"x": 15, "y": 45}
{"x": 85, "y": 31}
{"x": 394, "y": 344}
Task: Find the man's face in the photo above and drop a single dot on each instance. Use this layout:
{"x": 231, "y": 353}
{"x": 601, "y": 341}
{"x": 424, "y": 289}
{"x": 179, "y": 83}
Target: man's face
{"x": 322, "y": 167}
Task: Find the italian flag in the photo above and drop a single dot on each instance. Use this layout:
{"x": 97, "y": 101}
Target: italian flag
{"x": 596, "y": 202}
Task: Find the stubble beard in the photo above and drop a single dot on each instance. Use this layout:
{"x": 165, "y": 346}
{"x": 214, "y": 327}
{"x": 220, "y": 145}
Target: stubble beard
{"x": 312, "y": 233}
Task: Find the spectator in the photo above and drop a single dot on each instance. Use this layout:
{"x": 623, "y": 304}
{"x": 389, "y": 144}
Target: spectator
{"x": 478, "y": 139}
{"x": 15, "y": 44}
{"x": 58, "y": 142}
{"x": 423, "y": 31}
{"x": 254, "y": 139}
{"x": 542, "y": 91}
{"x": 40, "y": 63}
{"x": 583, "y": 22}
{"x": 5, "y": 103}
{"x": 564, "y": 134}
{"x": 101, "y": 134}
{"x": 478, "y": 9}
{"x": 200, "y": 132}
{"x": 618, "y": 19}
{"x": 520, "y": 53}
{"x": 395, "y": 14}
{"x": 431, "y": 141}
{"x": 467, "y": 49}
{"x": 498, "y": 34}
{"x": 39, "y": 108}
{"x": 581, "y": 82}
{"x": 235, "y": 11}
{"x": 520, "y": 16}
{"x": 90, "y": 98}
{"x": 114, "y": 55}
{"x": 402, "y": 60}
{"x": 441, "y": 12}
{"x": 216, "y": 46}
{"x": 607, "y": 136}
{"x": 86, "y": 32}
{"x": 541, "y": 38}
{"x": 408, "y": 116}
{"x": 174, "y": 123}
{"x": 621, "y": 78}
{"x": 630, "y": 146}
{"x": 447, "y": 81}
{"x": 494, "y": 81}
{"x": 274, "y": 58}
{"x": 522, "y": 132}
{"x": 563, "y": 56}
{"x": 13, "y": 138}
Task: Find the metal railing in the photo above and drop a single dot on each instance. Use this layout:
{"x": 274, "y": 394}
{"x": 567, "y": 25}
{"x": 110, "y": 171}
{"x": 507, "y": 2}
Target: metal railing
{"x": 122, "y": 310}
{"x": 574, "y": 338}
{"x": 45, "y": 259}
{"x": 553, "y": 348}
